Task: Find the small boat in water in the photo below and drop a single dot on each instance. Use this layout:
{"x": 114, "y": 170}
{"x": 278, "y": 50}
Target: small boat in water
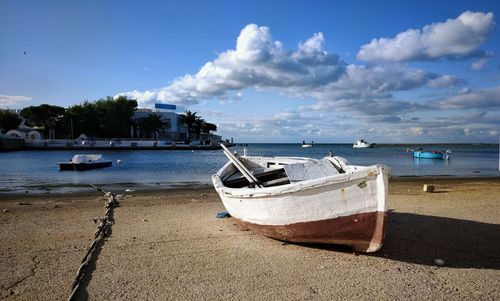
{"x": 307, "y": 145}
{"x": 306, "y": 200}
{"x": 85, "y": 162}
{"x": 443, "y": 155}
{"x": 362, "y": 144}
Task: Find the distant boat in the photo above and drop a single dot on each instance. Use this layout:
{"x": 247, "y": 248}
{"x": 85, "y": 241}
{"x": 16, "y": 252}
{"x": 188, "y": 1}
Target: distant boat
{"x": 431, "y": 155}
{"x": 306, "y": 145}
{"x": 306, "y": 200}
{"x": 362, "y": 144}
{"x": 84, "y": 162}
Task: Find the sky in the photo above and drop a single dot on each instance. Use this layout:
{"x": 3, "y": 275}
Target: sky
{"x": 268, "y": 71}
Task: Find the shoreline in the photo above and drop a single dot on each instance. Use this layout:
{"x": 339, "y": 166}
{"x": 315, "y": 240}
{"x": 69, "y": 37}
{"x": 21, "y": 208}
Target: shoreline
{"x": 118, "y": 188}
{"x": 168, "y": 244}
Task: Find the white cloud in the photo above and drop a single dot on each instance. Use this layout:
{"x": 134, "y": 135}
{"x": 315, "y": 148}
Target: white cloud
{"x": 8, "y": 100}
{"x": 308, "y": 72}
{"x": 479, "y": 64}
{"x": 460, "y": 37}
{"x": 464, "y": 90}
{"x": 348, "y": 100}
{"x": 485, "y": 99}
{"x": 443, "y": 81}
{"x": 344, "y": 126}
{"x": 238, "y": 96}
{"x": 418, "y": 130}
{"x": 369, "y": 90}
{"x": 259, "y": 62}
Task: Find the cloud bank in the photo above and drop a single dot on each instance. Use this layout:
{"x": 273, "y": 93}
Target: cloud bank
{"x": 349, "y": 100}
{"x": 8, "y": 100}
{"x": 455, "y": 38}
{"x": 258, "y": 62}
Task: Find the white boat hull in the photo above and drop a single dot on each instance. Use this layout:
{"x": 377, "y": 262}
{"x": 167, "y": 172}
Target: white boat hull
{"x": 368, "y": 145}
{"x": 348, "y": 208}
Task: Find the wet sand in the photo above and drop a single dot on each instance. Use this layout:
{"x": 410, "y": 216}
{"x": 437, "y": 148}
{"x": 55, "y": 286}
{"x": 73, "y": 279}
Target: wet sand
{"x": 169, "y": 245}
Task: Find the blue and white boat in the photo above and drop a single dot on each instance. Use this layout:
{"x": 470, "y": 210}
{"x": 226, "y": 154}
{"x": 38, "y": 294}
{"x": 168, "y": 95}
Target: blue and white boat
{"x": 431, "y": 155}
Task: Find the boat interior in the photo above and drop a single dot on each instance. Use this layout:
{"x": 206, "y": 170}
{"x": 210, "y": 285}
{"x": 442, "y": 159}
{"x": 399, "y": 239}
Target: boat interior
{"x": 281, "y": 171}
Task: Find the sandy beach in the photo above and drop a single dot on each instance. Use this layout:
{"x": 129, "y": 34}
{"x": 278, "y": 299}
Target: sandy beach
{"x": 169, "y": 245}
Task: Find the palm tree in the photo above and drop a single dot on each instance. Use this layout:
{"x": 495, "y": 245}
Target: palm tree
{"x": 208, "y": 127}
{"x": 199, "y": 122}
{"x": 190, "y": 121}
{"x": 150, "y": 125}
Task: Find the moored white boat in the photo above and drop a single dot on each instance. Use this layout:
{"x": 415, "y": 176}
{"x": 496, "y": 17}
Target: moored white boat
{"x": 363, "y": 144}
{"x": 307, "y": 200}
{"x": 85, "y": 162}
{"x": 307, "y": 145}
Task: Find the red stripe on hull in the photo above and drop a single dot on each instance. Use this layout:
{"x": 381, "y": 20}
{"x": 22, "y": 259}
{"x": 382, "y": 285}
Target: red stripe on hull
{"x": 364, "y": 232}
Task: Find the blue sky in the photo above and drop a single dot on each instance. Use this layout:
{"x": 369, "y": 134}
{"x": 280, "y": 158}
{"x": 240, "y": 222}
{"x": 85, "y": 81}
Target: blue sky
{"x": 268, "y": 71}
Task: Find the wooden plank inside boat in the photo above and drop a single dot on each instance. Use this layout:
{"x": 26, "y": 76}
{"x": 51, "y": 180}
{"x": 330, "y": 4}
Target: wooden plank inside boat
{"x": 268, "y": 177}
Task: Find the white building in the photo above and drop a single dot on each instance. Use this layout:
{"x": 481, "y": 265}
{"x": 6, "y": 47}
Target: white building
{"x": 174, "y": 128}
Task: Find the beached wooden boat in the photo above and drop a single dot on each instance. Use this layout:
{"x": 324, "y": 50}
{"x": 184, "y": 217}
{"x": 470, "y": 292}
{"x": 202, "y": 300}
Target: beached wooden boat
{"x": 307, "y": 200}
{"x": 84, "y": 162}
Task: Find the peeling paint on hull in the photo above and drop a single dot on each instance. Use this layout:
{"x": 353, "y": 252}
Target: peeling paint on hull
{"x": 364, "y": 232}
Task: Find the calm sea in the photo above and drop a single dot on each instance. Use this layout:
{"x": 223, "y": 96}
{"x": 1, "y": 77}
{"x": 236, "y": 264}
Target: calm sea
{"x": 38, "y": 172}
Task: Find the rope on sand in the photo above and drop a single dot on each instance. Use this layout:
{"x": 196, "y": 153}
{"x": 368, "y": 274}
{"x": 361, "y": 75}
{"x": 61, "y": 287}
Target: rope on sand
{"x": 103, "y": 226}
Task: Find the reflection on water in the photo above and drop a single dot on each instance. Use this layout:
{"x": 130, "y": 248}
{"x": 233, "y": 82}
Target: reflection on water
{"x": 430, "y": 162}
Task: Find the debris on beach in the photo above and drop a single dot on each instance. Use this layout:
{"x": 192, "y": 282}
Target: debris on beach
{"x": 439, "y": 262}
{"x": 428, "y": 188}
{"x": 223, "y": 214}
{"x": 129, "y": 190}
{"x": 5, "y": 211}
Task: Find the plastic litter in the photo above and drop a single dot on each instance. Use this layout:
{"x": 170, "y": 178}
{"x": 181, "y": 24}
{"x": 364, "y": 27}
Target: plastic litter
{"x": 223, "y": 214}
{"x": 439, "y": 262}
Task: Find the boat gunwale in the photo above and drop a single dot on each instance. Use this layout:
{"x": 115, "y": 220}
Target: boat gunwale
{"x": 364, "y": 173}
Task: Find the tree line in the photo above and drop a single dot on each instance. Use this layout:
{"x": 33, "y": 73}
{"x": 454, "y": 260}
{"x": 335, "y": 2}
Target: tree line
{"x": 104, "y": 118}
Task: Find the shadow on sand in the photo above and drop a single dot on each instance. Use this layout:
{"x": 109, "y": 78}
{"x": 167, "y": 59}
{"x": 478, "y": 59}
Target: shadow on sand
{"x": 420, "y": 239}
{"x": 460, "y": 243}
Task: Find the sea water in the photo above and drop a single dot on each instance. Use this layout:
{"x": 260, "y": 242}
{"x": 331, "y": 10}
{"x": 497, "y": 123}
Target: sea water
{"x": 38, "y": 171}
